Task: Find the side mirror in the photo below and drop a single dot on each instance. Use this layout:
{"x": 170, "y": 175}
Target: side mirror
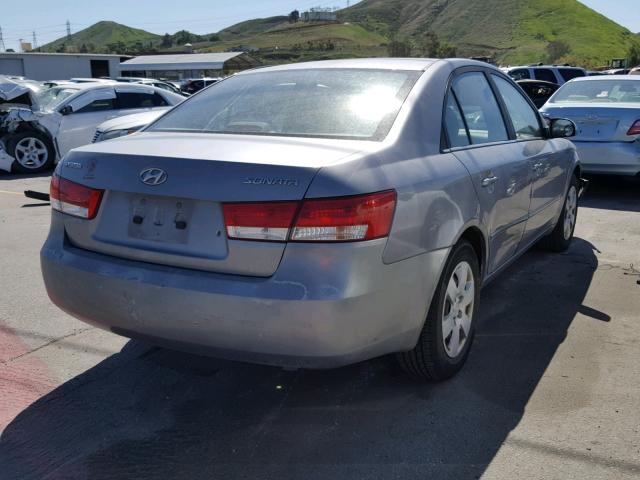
{"x": 66, "y": 110}
{"x": 562, "y": 128}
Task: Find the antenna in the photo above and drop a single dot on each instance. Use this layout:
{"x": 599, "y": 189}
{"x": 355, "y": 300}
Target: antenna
{"x": 2, "y": 47}
{"x": 68, "y": 29}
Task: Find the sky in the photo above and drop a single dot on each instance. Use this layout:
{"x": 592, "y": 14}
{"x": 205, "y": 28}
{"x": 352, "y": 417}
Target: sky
{"x": 20, "y": 18}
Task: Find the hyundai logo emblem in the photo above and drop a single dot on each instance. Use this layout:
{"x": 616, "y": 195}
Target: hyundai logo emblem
{"x": 153, "y": 176}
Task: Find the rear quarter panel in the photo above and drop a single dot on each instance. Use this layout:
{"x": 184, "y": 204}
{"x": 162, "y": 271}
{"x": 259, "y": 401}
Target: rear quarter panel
{"x": 436, "y": 199}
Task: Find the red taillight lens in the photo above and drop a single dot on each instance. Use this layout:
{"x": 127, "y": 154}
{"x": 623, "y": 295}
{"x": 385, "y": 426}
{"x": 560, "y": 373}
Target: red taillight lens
{"x": 74, "y": 199}
{"x": 269, "y": 221}
{"x": 362, "y": 217}
{"x": 635, "y": 129}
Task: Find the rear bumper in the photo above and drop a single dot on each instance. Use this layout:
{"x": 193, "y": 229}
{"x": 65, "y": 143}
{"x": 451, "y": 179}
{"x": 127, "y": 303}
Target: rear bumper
{"x": 617, "y": 158}
{"x": 326, "y": 306}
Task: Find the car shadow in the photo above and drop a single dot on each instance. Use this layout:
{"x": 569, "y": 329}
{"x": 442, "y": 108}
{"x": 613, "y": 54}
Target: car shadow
{"x": 148, "y": 412}
{"x": 612, "y": 192}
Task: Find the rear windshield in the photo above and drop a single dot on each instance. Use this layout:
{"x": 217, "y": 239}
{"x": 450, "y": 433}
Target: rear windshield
{"x": 599, "y": 91}
{"x": 324, "y": 103}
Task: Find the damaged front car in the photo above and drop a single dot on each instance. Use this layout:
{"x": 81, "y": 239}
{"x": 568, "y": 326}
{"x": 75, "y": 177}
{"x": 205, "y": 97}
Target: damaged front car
{"x": 26, "y": 144}
{"x": 65, "y": 116}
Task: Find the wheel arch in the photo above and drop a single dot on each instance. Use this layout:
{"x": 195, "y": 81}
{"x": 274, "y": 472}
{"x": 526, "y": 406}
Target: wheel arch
{"x": 474, "y": 234}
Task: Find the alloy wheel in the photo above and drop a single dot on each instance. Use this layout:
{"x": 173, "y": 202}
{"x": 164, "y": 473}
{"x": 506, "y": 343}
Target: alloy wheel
{"x": 457, "y": 312}
{"x": 31, "y": 153}
{"x": 570, "y": 211}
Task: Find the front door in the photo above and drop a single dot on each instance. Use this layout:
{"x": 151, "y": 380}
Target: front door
{"x": 89, "y": 110}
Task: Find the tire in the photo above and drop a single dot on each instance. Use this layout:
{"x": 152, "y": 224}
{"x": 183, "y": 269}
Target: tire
{"x": 32, "y": 152}
{"x": 436, "y": 357}
{"x": 560, "y": 238}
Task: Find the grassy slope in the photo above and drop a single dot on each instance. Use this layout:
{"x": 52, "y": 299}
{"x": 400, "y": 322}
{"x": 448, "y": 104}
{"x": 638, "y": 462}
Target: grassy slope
{"x": 302, "y": 41}
{"x": 102, "y": 34}
{"x": 514, "y": 31}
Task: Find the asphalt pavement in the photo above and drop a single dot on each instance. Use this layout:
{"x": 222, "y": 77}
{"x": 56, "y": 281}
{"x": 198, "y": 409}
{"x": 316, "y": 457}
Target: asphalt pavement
{"x": 551, "y": 389}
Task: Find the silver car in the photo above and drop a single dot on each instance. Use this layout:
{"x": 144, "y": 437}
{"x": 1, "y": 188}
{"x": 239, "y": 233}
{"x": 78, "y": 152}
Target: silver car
{"x": 314, "y": 215}
{"x": 606, "y": 111}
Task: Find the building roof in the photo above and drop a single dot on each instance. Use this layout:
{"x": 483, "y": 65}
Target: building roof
{"x": 187, "y": 61}
{"x": 52, "y": 54}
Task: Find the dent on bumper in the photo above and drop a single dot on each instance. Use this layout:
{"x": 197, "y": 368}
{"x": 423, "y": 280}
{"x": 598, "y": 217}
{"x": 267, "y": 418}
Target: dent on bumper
{"x": 326, "y": 306}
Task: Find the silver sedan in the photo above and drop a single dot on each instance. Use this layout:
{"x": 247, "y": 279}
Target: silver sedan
{"x": 606, "y": 111}
{"x": 314, "y": 215}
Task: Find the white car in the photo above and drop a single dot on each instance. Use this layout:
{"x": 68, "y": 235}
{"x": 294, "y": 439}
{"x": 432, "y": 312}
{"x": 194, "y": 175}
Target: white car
{"x": 121, "y": 126}
{"x": 65, "y": 117}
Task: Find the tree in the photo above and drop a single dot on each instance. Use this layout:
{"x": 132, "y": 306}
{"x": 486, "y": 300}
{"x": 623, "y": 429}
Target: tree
{"x": 634, "y": 55}
{"x": 294, "y": 16}
{"x": 83, "y": 48}
{"x": 447, "y": 51}
{"x": 214, "y": 38}
{"x": 557, "y": 49}
{"x": 167, "y": 41}
{"x": 430, "y": 45}
{"x": 399, "y": 48}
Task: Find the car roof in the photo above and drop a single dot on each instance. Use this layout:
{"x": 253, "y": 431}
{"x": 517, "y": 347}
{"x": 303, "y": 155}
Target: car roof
{"x": 606, "y": 77}
{"x": 543, "y": 66}
{"x": 417, "y": 64}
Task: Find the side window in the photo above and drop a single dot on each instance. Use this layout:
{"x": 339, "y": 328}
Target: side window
{"x": 520, "y": 74}
{"x": 523, "y": 116}
{"x": 97, "y": 106}
{"x": 545, "y": 74}
{"x": 480, "y": 108}
{"x": 454, "y": 124}
{"x": 570, "y": 73}
{"x": 139, "y": 100}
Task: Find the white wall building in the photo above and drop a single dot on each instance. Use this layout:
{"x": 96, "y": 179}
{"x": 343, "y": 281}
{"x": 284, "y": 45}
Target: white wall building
{"x": 59, "y": 66}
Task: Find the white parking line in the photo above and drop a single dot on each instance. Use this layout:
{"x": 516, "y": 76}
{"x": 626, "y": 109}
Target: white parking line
{"x": 11, "y": 193}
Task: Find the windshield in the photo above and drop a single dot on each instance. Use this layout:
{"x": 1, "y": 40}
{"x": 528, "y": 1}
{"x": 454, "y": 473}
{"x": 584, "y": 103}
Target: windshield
{"x": 325, "y": 103}
{"x": 599, "y": 91}
{"x": 50, "y": 98}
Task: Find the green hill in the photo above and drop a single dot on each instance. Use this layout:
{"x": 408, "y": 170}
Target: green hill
{"x": 98, "y": 38}
{"x": 513, "y": 31}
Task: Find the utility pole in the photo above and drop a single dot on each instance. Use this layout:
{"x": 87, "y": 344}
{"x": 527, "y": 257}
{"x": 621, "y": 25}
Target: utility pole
{"x": 34, "y": 44}
{"x": 68, "y": 29}
{"x": 2, "y": 47}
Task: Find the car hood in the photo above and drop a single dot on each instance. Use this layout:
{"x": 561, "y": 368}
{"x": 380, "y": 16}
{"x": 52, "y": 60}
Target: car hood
{"x": 10, "y": 89}
{"x": 135, "y": 120}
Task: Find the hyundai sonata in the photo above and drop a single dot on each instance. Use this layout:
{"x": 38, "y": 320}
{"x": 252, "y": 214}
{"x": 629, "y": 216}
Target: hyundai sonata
{"x": 314, "y": 215}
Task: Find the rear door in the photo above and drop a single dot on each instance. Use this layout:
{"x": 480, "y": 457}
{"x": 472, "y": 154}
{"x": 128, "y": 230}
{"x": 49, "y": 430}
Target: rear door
{"x": 478, "y": 136}
{"x": 548, "y": 166}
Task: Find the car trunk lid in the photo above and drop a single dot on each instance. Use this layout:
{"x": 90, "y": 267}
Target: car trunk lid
{"x": 598, "y": 123}
{"x": 176, "y": 217}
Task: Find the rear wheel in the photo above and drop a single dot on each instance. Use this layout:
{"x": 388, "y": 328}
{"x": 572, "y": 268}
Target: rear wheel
{"x": 32, "y": 152}
{"x": 447, "y": 334}
{"x": 560, "y": 239}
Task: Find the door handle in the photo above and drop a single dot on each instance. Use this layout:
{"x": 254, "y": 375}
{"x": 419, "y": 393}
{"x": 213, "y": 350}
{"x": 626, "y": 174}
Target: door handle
{"x": 488, "y": 181}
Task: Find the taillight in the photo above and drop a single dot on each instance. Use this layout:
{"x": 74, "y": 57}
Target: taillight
{"x": 345, "y": 219}
{"x": 74, "y": 199}
{"x": 635, "y": 128}
{"x": 269, "y": 221}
